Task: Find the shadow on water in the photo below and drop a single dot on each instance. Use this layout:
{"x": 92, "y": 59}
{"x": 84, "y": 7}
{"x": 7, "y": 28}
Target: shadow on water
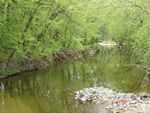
{"x": 52, "y": 90}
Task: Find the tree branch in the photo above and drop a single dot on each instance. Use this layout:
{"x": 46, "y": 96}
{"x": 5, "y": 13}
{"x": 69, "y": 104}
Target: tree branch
{"x": 138, "y": 6}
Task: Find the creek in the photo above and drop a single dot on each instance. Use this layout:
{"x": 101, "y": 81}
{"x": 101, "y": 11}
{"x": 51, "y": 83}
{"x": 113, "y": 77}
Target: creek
{"x": 53, "y": 90}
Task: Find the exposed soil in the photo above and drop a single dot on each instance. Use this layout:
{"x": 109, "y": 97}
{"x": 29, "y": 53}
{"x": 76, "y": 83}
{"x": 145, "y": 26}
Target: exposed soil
{"x": 15, "y": 67}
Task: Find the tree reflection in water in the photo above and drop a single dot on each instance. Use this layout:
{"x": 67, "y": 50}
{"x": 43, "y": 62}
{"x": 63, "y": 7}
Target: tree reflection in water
{"x": 52, "y": 90}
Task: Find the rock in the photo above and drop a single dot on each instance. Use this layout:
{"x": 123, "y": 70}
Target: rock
{"x": 108, "y": 44}
{"x": 115, "y": 101}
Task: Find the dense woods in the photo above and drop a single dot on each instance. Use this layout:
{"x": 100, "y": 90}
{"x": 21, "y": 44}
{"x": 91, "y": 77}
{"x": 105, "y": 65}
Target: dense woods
{"x": 36, "y": 28}
{"x": 75, "y": 56}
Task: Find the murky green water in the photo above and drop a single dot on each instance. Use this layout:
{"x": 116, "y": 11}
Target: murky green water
{"x": 52, "y": 90}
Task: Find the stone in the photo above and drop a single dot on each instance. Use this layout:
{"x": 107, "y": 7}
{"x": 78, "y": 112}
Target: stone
{"x": 115, "y": 101}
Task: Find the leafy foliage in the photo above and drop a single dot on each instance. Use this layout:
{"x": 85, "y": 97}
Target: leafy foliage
{"x": 34, "y": 28}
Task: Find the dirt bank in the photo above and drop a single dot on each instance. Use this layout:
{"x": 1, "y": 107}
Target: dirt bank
{"x": 15, "y": 67}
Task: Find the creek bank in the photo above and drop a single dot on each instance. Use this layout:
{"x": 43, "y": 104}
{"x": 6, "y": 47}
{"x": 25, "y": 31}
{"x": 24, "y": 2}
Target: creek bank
{"x": 113, "y": 101}
{"x": 143, "y": 68}
{"x": 15, "y": 67}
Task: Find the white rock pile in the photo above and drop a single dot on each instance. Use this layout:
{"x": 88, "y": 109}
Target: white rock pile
{"x": 115, "y": 102}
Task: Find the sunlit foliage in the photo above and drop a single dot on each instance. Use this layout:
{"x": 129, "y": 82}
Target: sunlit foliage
{"x": 34, "y": 28}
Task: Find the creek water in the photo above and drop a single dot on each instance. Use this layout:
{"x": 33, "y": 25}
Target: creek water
{"x": 53, "y": 90}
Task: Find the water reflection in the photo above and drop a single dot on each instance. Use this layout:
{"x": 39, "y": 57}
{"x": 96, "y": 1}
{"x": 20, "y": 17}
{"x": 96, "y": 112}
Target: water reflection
{"x": 52, "y": 90}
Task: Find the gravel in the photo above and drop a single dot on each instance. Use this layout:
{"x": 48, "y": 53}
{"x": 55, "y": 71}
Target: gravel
{"x": 114, "y": 102}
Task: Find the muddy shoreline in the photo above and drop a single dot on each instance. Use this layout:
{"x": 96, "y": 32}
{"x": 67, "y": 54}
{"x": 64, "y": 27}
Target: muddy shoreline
{"x": 15, "y": 67}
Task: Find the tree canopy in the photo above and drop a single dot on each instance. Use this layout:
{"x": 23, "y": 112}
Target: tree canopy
{"x": 33, "y": 28}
